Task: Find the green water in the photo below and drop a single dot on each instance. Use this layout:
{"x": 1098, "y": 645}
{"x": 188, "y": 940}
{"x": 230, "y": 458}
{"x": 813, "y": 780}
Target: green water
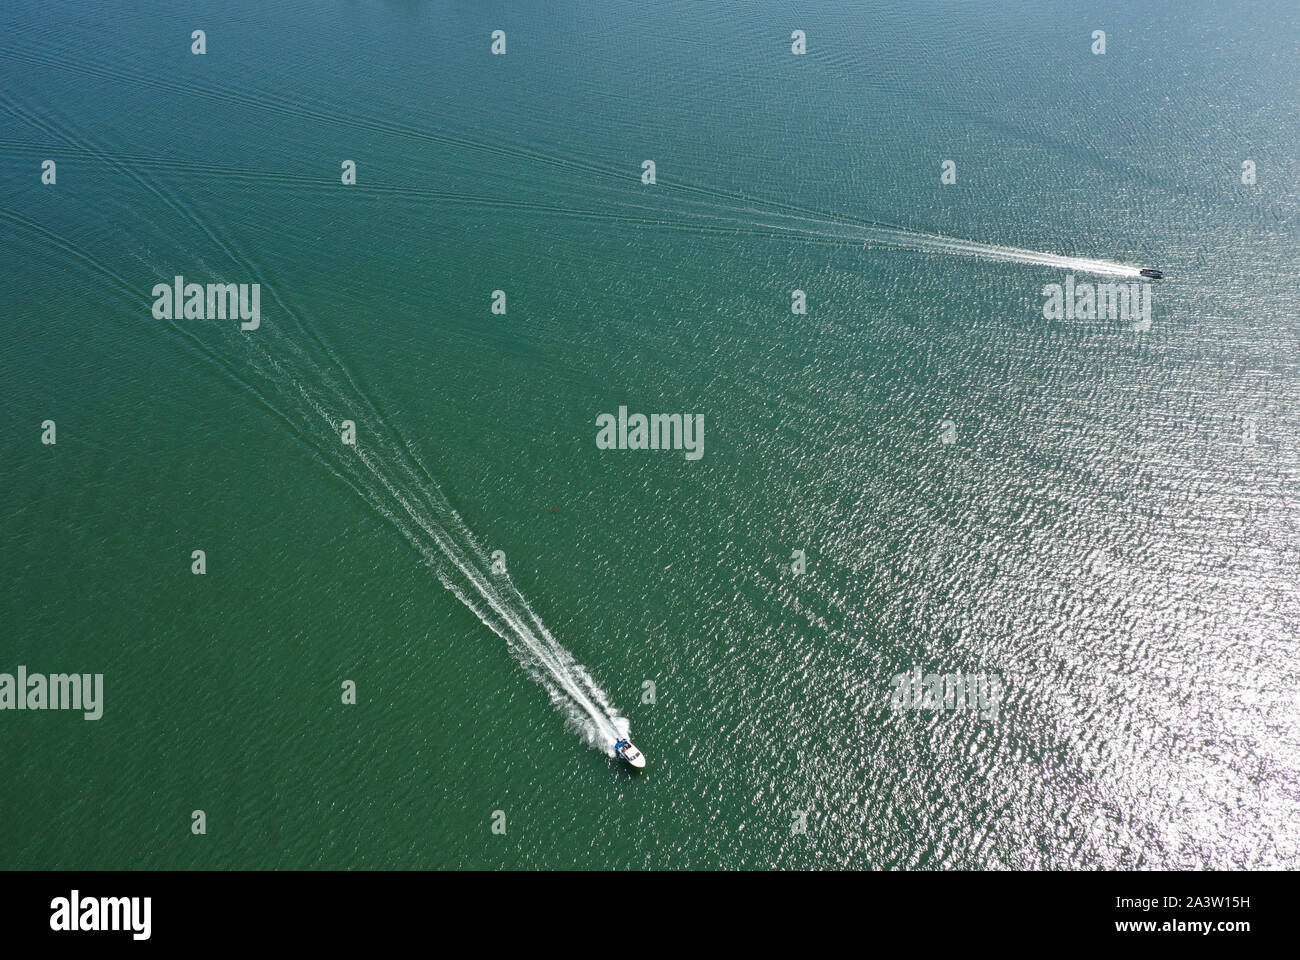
{"x": 1112, "y": 531}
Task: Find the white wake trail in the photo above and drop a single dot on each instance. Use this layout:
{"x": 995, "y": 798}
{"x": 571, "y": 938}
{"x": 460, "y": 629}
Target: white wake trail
{"x": 989, "y": 251}
{"x": 571, "y": 688}
{"x": 384, "y": 470}
{"x": 847, "y": 230}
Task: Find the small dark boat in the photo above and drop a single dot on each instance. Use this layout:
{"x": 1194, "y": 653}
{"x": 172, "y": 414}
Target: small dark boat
{"x": 1151, "y": 273}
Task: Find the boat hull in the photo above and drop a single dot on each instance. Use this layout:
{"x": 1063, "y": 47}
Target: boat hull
{"x": 632, "y": 756}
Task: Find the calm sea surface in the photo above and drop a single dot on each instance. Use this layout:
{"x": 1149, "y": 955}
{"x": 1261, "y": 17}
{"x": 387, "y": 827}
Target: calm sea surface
{"x": 1096, "y": 520}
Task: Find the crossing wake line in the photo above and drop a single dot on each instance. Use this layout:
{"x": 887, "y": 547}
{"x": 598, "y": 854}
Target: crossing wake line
{"x": 296, "y": 376}
{"x": 310, "y": 395}
{"x": 293, "y": 373}
{"x": 719, "y": 214}
{"x": 383, "y": 469}
{"x": 694, "y": 207}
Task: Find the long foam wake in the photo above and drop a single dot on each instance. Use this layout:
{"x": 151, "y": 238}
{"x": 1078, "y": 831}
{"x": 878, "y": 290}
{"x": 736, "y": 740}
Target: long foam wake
{"x": 313, "y": 395}
{"x": 937, "y": 243}
{"x": 297, "y": 377}
{"x": 384, "y": 470}
{"x": 714, "y": 207}
{"x": 311, "y": 398}
{"x": 786, "y": 220}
